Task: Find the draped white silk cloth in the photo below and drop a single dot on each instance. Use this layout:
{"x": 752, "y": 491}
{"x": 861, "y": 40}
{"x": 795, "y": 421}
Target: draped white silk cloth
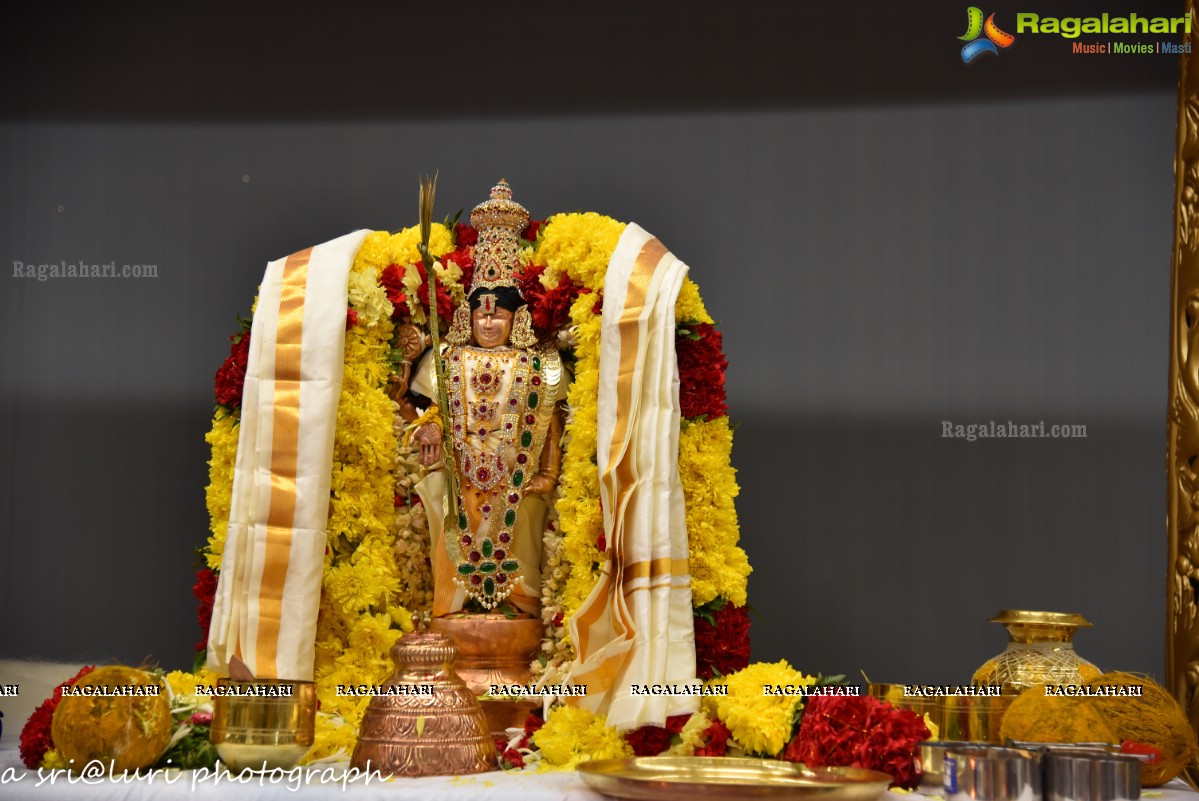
{"x": 270, "y": 582}
{"x": 636, "y": 627}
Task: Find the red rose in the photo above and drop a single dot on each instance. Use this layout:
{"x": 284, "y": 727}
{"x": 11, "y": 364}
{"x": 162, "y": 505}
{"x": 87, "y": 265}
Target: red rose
{"x": 205, "y": 591}
{"x": 701, "y": 372}
{"x": 465, "y": 236}
{"x": 392, "y": 281}
{"x": 722, "y": 647}
{"x": 231, "y": 377}
{"x": 36, "y": 739}
{"x": 601, "y": 542}
{"x": 351, "y": 317}
{"x": 859, "y": 732}
{"x": 716, "y": 740}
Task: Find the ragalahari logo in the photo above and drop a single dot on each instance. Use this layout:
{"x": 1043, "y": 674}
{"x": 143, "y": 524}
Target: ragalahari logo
{"x": 975, "y": 27}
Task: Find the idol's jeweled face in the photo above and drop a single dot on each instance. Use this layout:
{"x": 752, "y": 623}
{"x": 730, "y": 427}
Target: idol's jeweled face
{"x": 491, "y": 329}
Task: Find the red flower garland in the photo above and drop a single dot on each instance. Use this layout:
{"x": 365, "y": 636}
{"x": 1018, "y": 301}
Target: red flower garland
{"x": 722, "y": 647}
{"x": 35, "y": 737}
{"x": 231, "y": 376}
{"x": 860, "y": 732}
{"x": 205, "y": 591}
{"x": 701, "y": 372}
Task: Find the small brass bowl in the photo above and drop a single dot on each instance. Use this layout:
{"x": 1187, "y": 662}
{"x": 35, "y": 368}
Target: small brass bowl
{"x": 263, "y": 724}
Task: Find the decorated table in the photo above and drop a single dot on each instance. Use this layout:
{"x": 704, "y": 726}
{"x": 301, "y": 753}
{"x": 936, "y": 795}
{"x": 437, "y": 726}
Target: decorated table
{"x": 496, "y": 786}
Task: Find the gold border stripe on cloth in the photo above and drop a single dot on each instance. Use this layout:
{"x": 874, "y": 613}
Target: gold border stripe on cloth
{"x": 285, "y": 435}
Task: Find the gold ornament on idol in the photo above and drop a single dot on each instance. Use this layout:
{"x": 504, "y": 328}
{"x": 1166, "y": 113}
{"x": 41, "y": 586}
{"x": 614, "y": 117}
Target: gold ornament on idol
{"x": 499, "y": 221}
{"x": 499, "y": 412}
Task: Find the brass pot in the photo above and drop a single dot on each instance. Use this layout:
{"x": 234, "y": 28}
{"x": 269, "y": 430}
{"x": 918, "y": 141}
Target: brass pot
{"x": 429, "y": 723}
{"x": 271, "y": 728}
{"x": 1040, "y": 651}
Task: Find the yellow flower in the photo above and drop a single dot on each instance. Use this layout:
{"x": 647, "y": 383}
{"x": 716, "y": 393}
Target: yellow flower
{"x": 577, "y": 245}
{"x": 368, "y": 297}
{"x": 223, "y": 441}
{"x": 572, "y": 735}
{"x": 689, "y": 308}
{"x": 53, "y": 760}
{"x": 718, "y": 566}
{"x": 184, "y": 683}
{"x": 692, "y": 735}
{"x": 761, "y": 723}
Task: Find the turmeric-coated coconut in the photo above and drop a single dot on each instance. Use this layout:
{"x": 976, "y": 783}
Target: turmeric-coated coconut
{"x": 113, "y": 715}
{"x": 1040, "y": 718}
{"x": 1154, "y": 718}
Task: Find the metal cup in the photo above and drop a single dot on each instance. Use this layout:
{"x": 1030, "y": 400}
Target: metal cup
{"x": 992, "y": 774}
{"x": 1091, "y": 774}
{"x": 267, "y": 731}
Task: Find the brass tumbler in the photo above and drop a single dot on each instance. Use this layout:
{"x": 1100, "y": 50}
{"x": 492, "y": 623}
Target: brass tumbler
{"x": 263, "y": 724}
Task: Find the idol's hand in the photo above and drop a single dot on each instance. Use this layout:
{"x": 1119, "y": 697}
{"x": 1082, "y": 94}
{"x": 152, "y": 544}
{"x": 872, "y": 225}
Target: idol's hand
{"x": 428, "y": 437}
{"x": 540, "y": 485}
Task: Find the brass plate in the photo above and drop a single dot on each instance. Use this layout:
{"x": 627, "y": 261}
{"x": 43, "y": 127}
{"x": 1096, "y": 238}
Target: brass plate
{"x": 690, "y": 778}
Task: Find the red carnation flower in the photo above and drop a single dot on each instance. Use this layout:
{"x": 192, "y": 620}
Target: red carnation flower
{"x": 648, "y": 740}
{"x": 205, "y": 591}
{"x": 722, "y": 647}
{"x": 701, "y": 372}
{"x": 716, "y": 740}
{"x": 36, "y": 739}
{"x": 392, "y": 281}
{"x": 533, "y": 724}
{"x": 231, "y": 377}
{"x": 464, "y": 257}
{"x": 465, "y": 236}
{"x": 859, "y": 732}
{"x": 445, "y": 304}
{"x": 530, "y": 233}
{"x": 549, "y": 308}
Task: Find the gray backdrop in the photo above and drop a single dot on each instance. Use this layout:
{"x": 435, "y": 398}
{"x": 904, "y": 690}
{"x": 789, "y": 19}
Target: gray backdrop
{"x": 880, "y": 260}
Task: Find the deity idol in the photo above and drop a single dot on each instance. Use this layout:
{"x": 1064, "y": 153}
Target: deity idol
{"x": 505, "y": 393}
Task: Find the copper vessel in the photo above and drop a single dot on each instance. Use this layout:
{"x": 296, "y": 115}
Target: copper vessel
{"x": 494, "y": 652}
{"x": 428, "y": 723}
{"x": 492, "y": 649}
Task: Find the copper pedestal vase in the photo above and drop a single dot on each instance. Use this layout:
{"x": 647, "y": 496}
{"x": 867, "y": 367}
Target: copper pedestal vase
{"x": 429, "y": 723}
{"x": 495, "y": 651}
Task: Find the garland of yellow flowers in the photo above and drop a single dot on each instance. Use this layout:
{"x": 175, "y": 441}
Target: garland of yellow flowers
{"x": 376, "y": 570}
